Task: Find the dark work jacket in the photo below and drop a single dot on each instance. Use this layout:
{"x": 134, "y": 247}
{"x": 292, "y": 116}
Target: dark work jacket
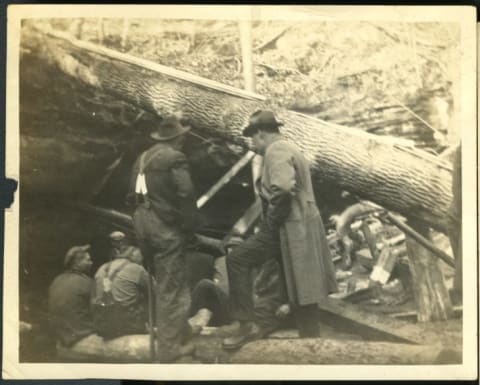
{"x": 69, "y": 307}
{"x": 170, "y": 188}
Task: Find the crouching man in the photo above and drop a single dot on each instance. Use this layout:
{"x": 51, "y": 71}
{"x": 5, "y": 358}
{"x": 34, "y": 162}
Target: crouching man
{"x": 120, "y": 295}
{"x": 70, "y": 316}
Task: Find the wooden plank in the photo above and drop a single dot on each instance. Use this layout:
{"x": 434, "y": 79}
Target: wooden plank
{"x": 342, "y": 315}
{"x": 225, "y": 178}
{"x": 370, "y": 238}
{"x": 384, "y": 266}
{"x": 248, "y": 218}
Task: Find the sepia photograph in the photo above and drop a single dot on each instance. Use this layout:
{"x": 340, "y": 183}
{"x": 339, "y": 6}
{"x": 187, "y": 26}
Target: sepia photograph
{"x": 215, "y": 188}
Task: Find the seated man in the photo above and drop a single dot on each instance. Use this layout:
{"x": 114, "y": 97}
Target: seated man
{"x": 211, "y": 304}
{"x": 120, "y": 295}
{"x": 70, "y": 317}
{"x": 119, "y": 245}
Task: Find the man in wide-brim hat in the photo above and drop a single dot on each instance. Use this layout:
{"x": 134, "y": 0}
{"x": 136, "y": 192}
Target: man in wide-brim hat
{"x": 164, "y": 221}
{"x": 292, "y": 232}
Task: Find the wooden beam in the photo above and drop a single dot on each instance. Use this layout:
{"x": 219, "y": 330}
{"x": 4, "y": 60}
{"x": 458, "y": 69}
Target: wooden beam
{"x": 385, "y": 263}
{"x": 374, "y": 326}
{"x": 248, "y": 218}
{"x": 245, "y": 27}
{"x": 225, "y": 178}
{"x": 420, "y": 239}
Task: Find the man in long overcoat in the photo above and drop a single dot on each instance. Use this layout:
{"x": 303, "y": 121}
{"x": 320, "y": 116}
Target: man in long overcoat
{"x": 164, "y": 222}
{"x": 292, "y": 232}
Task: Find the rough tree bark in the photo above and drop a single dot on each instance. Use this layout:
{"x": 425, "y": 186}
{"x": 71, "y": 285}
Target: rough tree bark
{"x": 411, "y": 182}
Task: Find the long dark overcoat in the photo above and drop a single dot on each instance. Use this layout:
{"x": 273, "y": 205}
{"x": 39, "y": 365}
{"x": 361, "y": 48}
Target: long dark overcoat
{"x": 307, "y": 262}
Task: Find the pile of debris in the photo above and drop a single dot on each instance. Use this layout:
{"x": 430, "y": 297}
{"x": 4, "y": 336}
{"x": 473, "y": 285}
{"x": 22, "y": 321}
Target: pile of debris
{"x": 372, "y": 261}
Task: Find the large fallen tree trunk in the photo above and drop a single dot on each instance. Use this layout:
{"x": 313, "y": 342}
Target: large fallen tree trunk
{"x": 411, "y": 182}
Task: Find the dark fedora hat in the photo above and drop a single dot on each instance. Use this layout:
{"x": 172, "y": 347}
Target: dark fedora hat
{"x": 261, "y": 120}
{"x": 169, "y": 129}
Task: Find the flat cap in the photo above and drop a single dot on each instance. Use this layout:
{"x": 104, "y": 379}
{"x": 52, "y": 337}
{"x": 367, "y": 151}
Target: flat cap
{"x": 72, "y": 252}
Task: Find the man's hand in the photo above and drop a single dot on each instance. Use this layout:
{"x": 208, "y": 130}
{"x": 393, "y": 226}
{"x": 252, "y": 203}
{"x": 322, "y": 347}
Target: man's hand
{"x": 283, "y": 311}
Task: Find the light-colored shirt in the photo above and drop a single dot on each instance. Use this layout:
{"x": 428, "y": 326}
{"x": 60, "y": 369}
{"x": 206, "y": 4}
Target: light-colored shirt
{"x": 129, "y": 286}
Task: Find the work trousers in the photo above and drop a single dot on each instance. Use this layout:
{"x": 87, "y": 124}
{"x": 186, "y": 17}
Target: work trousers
{"x": 252, "y": 253}
{"x": 119, "y": 320}
{"x": 165, "y": 246}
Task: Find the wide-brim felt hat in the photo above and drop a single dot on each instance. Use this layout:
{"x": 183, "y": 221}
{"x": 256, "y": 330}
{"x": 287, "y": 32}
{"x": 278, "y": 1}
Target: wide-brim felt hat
{"x": 169, "y": 129}
{"x": 261, "y": 120}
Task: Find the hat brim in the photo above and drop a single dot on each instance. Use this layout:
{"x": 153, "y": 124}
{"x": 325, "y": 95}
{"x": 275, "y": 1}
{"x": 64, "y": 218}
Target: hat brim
{"x": 156, "y": 136}
{"x": 252, "y": 129}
